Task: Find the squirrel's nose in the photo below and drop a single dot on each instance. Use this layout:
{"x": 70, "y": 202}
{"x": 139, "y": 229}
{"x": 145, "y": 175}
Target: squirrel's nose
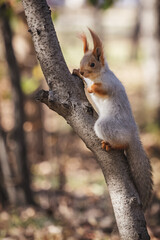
{"x": 81, "y": 72}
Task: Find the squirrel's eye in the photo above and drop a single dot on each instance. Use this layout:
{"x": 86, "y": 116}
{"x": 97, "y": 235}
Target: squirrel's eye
{"x": 92, "y": 64}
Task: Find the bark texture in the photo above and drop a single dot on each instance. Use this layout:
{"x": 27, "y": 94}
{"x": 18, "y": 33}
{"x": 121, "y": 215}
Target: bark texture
{"x": 66, "y": 97}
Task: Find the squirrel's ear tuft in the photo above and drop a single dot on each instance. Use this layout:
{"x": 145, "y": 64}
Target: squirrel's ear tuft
{"x": 85, "y": 43}
{"x": 98, "y": 49}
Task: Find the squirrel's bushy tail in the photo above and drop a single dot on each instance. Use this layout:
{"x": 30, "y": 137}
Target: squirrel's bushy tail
{"x": 141, "y": 170}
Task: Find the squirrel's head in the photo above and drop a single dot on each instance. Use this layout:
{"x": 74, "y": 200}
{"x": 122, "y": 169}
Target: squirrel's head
{"x": 92, "y": 61}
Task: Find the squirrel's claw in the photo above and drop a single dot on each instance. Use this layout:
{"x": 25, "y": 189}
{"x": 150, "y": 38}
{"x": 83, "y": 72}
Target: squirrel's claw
{"x": 106, "y": 146}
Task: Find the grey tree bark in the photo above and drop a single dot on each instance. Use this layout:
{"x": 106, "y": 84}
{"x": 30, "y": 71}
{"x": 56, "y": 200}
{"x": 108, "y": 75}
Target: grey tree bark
{"x": 66, "y": 97}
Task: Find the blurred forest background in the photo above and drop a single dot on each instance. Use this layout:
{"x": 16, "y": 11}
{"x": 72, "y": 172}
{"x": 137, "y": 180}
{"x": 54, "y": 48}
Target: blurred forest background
{"x": 51, "y": 187}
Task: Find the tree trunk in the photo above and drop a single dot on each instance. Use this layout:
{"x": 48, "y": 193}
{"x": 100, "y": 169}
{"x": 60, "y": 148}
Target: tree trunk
{"x": 22, "y": 174}
{"x": 66, "y": 97}
{"x": 7, "y": 188}
{"x": 3, "y": 192}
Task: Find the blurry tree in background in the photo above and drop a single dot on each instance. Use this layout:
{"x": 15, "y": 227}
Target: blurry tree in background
{"x": 7, "y": 186}
{"x": 99, "y": 6}
{"x": 20, "y": 169}
{"x": 3, "y": 173}
{"x": 150, "y": 42}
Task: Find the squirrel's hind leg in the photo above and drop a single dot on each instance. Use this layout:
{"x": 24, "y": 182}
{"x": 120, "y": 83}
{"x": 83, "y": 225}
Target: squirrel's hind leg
{"x": 120, "y": 147}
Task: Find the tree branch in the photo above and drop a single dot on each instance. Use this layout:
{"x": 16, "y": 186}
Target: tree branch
{"x": 66, "y": 97}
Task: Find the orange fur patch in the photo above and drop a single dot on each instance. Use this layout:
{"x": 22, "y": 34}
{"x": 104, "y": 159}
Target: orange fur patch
{"x": 106, "y": 146}
{"x": 98, "y": 89}
{"x": 85, "y": 43}
{"x": 120, "y": 147}
{"x": 92, "y": 75}
{"x": 89, "y": 89}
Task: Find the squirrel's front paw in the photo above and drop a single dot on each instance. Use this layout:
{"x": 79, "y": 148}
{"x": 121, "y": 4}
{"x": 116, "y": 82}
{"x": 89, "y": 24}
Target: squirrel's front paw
{"x": 76, "y": 72}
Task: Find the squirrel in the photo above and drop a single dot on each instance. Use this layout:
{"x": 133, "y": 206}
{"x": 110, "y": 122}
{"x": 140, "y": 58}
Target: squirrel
{"x": 115, "y": 125}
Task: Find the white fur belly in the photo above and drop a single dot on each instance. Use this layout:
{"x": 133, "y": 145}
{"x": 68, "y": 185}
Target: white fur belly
{"x": 100, "y": 105}
{"x": 104, "y": 106}
{"x": 97, "y": 101}
{"x": 90, "y": 96}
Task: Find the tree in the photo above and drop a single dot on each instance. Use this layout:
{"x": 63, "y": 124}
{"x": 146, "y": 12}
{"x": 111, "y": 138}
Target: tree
{"x": 3, "y": 156}
{"x": 66, "y": 97}
{"x": 150, "y": 43}
{"x": 21, "y": 172}
{"x": 7, "y": 188}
